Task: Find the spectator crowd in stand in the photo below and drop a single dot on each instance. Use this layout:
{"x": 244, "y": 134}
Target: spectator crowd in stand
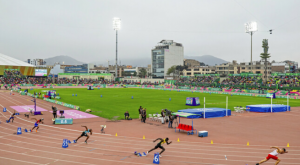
{"x": 239, "y": 80}
{"x": 15, "y": 77}
{"x": 196, "y": 80}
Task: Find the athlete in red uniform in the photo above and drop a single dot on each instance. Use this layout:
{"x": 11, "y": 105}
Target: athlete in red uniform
{"x": 273, "y": 155}
{"x": 36, "y": 124}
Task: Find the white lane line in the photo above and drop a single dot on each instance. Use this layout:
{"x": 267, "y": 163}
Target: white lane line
{"x": 221, "y": 155}
{"x": 45, "y": 157}
{"x": 67, "y": 155}
{"x": 165, "y": 155}
{"x": 19, "y": 160}
{"x": 150, "y": 144}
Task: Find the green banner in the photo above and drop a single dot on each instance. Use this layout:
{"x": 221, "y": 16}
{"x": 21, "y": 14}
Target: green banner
{"x": 285, "y": 74}
{"x": 212, "y": 75}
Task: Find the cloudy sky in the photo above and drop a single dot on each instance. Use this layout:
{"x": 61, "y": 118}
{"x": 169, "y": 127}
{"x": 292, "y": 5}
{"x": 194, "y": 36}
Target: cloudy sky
{"x": 83, "y": 28}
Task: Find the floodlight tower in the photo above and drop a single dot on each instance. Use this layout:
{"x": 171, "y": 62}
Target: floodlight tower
{"x": 251, "y": 27}
{"x": 116, "y": 26}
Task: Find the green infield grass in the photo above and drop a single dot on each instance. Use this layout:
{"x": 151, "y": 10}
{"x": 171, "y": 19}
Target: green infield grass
{"x": 116, "y": 101}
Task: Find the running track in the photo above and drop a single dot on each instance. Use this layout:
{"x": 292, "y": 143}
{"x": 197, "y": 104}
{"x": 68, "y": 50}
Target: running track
{"x": 45, "y": 146}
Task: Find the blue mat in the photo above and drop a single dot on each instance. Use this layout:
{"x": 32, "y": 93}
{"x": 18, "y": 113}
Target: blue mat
{"x": 209, "y": 112}
{"x": 267, "y": 108}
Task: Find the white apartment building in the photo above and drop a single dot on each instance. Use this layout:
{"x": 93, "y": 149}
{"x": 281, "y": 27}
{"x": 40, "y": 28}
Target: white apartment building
{"x": 165, "y": 55}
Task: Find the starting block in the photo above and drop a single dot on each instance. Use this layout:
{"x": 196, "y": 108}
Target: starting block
{"x": 156, "y": 158}
{"x": 69, "y": 141}
{"x": 65, "y": 143}
{"x": 26, "y": 115}
{"x": 19, "y": 131}
{"x": 139, "y": 154}
{"x": 28, "y": 131}
{"x": 17, "y": 113}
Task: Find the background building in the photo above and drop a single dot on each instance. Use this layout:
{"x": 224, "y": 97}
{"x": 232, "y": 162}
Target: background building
{"x": 244, "y": 67}
{"x": 280, "y": 67}
{"x": 36, "y": 62}
{"x": 293, "y": 65}
{"x": 166, "y": 54}
{"x": 191, "y": 71}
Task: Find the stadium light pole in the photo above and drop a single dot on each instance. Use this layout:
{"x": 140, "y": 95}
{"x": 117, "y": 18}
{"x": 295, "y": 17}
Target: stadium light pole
{"x": 251, "y": 27}
{"x": 116, "y": 26}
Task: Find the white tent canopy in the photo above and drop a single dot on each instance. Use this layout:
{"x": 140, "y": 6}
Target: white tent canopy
{"x": 9, "y": 61}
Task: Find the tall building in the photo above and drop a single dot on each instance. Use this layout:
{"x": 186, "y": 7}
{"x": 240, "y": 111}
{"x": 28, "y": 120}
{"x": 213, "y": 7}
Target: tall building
{"x": 165, "y": 55}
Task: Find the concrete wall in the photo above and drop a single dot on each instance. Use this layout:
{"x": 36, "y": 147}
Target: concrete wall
{"x": 173, "y": 56}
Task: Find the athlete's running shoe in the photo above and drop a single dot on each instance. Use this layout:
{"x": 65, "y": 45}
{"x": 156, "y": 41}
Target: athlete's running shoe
{"x": 160, "y": 156}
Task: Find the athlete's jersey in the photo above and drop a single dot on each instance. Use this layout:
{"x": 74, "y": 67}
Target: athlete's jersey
{"x": 37, "y": 122}
{"x": 87, "y": 131}
{"x": 274, "y": 153}
{"x": 162, "y": 142}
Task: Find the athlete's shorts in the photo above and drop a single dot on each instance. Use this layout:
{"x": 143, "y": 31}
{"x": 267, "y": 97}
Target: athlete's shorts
{"x": 36, "y": 125}
{"x": 159, "y": 146}
{"x": 271, "y": 157}
{"x": 83, "y": 134}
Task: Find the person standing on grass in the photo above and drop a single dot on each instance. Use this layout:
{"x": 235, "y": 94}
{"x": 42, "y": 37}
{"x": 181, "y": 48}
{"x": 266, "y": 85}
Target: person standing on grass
{"x": 273, "y": 155}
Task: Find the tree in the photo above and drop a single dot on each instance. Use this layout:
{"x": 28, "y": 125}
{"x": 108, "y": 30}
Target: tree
{"x": 143, "y": 72}
{"x": 265, "y": 55}
{"x": 171, "y": 70}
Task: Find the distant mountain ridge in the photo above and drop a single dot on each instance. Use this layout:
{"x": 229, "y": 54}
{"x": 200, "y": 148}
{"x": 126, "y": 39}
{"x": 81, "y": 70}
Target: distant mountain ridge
{"x": 207, "y": 59}
{"x": 142, "y": 62}
{"x": 63, "y": 60}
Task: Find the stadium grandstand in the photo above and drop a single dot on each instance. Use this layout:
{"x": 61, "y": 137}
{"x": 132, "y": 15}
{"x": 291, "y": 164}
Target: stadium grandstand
{"x": 15, "y": 67}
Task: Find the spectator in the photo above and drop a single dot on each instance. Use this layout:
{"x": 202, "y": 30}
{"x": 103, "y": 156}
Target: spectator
{"x": 54, "y": 111}
{"x": 170, "y": 121}
{"x": 126, "y": 115}
{"x": 163, "y": 115}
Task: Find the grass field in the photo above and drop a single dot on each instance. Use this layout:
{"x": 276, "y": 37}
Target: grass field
{"x": 116, "y": 101}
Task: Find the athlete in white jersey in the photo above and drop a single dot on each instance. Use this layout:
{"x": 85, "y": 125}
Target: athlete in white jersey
{"x": 273, "y": 155}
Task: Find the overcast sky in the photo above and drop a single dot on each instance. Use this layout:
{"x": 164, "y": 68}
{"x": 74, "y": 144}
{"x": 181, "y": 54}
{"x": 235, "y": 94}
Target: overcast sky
{"x": 83, "y": 29}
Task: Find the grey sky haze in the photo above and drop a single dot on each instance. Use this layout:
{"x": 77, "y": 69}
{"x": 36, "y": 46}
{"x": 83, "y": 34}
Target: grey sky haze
{"x": 83, "y": 29}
